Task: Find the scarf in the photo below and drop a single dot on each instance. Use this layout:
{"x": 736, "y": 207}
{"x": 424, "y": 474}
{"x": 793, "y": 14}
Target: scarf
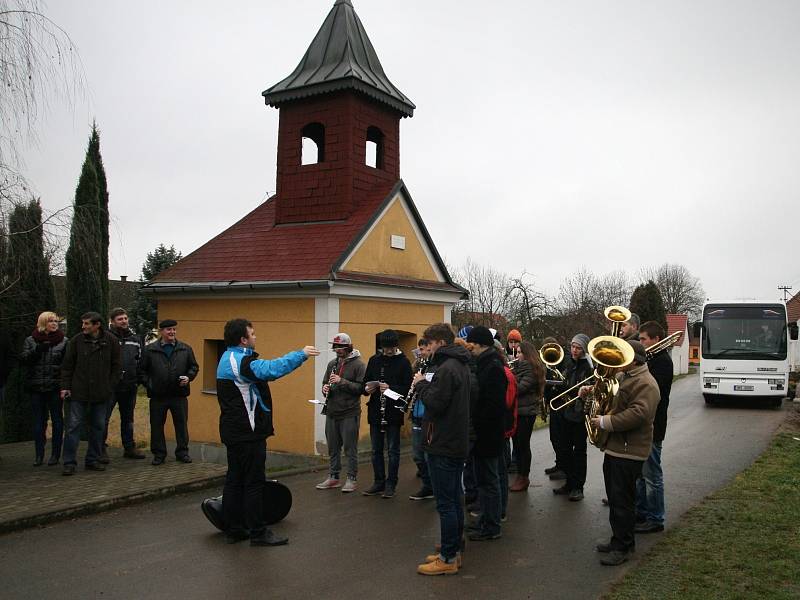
{"x": 54, "y": 337}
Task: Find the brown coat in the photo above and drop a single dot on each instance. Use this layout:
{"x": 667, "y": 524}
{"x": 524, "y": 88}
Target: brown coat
{"x": 630, "y": 426}
{"x": 91, "y": 368}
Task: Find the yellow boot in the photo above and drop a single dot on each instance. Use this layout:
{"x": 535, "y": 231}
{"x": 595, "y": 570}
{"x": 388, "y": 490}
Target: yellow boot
{"x": 438, "y": 567}
{"x": 432, "y": 557}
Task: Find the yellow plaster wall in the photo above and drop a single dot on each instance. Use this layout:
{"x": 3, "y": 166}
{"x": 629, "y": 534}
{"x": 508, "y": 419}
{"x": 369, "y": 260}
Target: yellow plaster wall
{"x": 375, "y": 255}
{"x": 281, "y": 325}
{"x": 362, "y": 319}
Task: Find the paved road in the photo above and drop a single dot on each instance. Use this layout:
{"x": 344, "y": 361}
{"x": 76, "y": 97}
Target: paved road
{"x": 357, "y": 547}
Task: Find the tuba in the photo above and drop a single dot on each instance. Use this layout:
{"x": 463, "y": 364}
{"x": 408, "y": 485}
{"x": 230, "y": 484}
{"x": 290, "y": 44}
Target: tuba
{"x": 611, "y": 354}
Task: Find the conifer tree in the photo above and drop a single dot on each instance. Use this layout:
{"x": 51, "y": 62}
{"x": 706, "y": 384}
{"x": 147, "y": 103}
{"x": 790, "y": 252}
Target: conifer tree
{"x": 27, "y": 290}
{"x": 646, "y": 302}
{"x": 102, "y": 200}
{"x": 87, "y": 268}
{"x": 145, "y": 311}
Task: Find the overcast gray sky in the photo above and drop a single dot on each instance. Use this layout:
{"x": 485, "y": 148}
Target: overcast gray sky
{"x": 548, "y": 136}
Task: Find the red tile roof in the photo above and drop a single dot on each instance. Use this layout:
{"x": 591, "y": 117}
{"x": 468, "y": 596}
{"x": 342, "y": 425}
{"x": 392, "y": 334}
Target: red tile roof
{"x": 793, "y": 308}
{"x": 255, "y": 249}
{"x": 678, "y": 323}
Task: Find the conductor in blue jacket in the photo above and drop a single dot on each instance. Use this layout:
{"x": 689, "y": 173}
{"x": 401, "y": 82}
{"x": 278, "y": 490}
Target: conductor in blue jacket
{"x": 245, "y": 423}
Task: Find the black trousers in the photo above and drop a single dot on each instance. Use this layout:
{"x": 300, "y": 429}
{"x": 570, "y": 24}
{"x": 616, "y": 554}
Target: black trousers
{"x": 572, "y": 452}
{"x": 556, "y": 430}
{"x": 179, "y": 408}
{"x": 620, "y": 475}
{"x": 522, "y": 444}
{"x": 242, "y": 496}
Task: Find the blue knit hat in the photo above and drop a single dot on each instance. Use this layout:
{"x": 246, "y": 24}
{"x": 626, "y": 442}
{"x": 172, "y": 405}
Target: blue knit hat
{"x": 464, "y": 331}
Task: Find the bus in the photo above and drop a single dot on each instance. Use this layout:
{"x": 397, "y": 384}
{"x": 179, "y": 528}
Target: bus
{"x": 744, "y": 351}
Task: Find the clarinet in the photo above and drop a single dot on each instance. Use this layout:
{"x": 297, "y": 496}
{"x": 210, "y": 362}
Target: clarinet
{"x": 384, "y": 422}
{"x": 334, "y": 371}
{"x": 412, "y": 395}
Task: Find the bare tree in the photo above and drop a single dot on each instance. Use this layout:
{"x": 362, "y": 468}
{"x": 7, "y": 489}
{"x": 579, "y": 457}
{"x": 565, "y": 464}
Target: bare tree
{"x": 489, "y": 295}
{"x": 681, "y": 291}
{"x": 527, "y": 307}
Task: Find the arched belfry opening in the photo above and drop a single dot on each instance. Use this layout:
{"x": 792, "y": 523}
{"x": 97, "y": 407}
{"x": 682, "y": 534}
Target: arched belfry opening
{"x": 313, "y": 144}
{"x": 375, "y": 148}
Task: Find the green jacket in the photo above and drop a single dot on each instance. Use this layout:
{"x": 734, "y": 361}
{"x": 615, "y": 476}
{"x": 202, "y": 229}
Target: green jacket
{"x": 630, "y": 426}
{"x": 91, "y": 367}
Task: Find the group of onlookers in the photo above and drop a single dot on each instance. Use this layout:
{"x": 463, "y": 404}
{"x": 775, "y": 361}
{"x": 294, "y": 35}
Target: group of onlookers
{"x": 93, "y": 372}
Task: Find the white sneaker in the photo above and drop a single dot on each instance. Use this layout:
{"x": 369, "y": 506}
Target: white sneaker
{"x": 349, "y": 486}
{"x": 329, "y": 484}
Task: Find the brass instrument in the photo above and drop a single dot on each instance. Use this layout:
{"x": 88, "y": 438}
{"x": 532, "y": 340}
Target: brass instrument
{"x": 611, "y": 354}
{"x": 617, "y": 315}
{"x": 552, "y": 354}
{"x": 663, "y": 344}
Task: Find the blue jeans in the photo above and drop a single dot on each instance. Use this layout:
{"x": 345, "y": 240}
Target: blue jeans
{"x": 445, "y": 473}
{"x": 392, "y": 435}
{"x": 126, "y": 401}
{"x": 45, "y": 403}
{"x": 94, "y": 415}
{"x": 417, "y": 441}
{"x": 650, "y": 488}
{"x": 487, "y": 470}
{"x": 470, "y": 481}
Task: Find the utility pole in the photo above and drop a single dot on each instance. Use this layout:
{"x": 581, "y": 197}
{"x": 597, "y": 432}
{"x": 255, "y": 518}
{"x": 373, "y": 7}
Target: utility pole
{"x": 785, "y": 289}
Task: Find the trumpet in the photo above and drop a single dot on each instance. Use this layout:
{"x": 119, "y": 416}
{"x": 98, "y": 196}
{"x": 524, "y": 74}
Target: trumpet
{"x": 663, "y": 344}
{"x": 611, "y": 354}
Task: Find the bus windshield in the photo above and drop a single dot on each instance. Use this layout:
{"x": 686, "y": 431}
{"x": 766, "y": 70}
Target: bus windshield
{"x": 744, "y": 332}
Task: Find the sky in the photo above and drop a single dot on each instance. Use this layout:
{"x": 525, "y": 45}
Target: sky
{"x": 548, "y": 136}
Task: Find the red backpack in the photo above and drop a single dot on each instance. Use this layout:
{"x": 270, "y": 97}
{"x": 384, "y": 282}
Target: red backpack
{"x": 510, "y": 416}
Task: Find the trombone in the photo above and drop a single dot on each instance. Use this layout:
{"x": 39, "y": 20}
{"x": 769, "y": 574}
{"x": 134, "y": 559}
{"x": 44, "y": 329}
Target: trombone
{"x": 552, "y": 354}
{"x": 663, "y": 344}
{"x": 611, "y": 354}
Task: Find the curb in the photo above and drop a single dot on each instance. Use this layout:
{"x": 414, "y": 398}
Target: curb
{"x": 92, "y": 508}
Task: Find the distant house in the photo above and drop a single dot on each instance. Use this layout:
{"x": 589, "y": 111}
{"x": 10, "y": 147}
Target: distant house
{"x": 680, "y": 350}
{"x": 694, "y": 349}
{"x": 793, "y": 314}
{"x": 121, "y": 292}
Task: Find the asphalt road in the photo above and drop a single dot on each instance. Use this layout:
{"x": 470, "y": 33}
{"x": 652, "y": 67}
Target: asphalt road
{"x": 350, "y": 546}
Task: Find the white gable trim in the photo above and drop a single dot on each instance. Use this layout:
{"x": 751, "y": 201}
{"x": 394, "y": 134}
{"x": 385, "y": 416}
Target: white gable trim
{"x": 425, "y": 248}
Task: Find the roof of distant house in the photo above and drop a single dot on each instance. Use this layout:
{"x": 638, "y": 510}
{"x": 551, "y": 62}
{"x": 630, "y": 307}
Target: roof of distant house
{"x": 678, "y": 323}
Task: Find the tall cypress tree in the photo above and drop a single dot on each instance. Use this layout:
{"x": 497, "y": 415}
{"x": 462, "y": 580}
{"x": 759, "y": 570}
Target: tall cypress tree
{"x": 87, "y": 270}
{"x": 646, "y": 302}
{"x": 102, "y": 201}
{"x": 27, "y": 291}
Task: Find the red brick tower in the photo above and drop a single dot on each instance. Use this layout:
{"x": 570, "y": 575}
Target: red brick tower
{"x": 339, "y": 98}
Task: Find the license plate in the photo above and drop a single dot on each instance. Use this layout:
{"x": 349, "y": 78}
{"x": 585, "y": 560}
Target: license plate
{"x": 743, "y": 388}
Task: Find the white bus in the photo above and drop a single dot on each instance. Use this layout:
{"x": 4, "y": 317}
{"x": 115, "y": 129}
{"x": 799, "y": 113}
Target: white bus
{"x": 744, "y": 350}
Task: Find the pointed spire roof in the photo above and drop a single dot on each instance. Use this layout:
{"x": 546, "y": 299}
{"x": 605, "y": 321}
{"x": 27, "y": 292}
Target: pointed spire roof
{"x": 340, "y": 57}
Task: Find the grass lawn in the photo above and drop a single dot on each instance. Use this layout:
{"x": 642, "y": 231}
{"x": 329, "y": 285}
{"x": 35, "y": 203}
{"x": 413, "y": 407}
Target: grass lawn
{"x": 743, "y": 541}
{"x": 141, "y": 423}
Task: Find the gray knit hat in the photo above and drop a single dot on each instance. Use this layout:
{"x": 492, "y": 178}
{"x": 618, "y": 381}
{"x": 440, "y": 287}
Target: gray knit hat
{"x": 639, "y": 353}
{"x": 582, "y": 340}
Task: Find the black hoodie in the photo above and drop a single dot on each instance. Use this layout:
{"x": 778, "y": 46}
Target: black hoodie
{"x": 394, "y": 370}
{"x": 446, "y": 395}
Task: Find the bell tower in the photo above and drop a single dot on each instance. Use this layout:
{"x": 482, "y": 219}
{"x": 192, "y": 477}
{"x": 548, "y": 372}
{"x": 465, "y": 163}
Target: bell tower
{"x": 339, "y": 125}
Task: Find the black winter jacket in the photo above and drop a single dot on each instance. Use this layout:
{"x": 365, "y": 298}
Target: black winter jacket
{"x": 491, "y": 405}
{"x": 161, "y": 374}
{"x": 131, "y": 352}
{"x": 528, "y": 389}
{"x": 574, "y": 373}
{"x": 445, "y": 392}
{"x": 91, "y": 367}
{"x": 394, "y": 370}
{"x": 661, "y": 369}
{"x": 43, "y": 362}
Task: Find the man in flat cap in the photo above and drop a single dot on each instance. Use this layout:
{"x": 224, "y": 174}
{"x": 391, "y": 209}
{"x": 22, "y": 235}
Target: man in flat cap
{"x": 167, "y": 367}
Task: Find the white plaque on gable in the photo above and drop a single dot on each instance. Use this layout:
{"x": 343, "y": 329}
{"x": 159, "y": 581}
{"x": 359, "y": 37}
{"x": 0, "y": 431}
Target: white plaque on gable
{"x": 399, "y": 242}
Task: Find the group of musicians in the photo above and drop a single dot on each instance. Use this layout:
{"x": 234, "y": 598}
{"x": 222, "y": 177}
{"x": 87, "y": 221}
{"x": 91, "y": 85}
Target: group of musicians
{"x": 470, "y": 399}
